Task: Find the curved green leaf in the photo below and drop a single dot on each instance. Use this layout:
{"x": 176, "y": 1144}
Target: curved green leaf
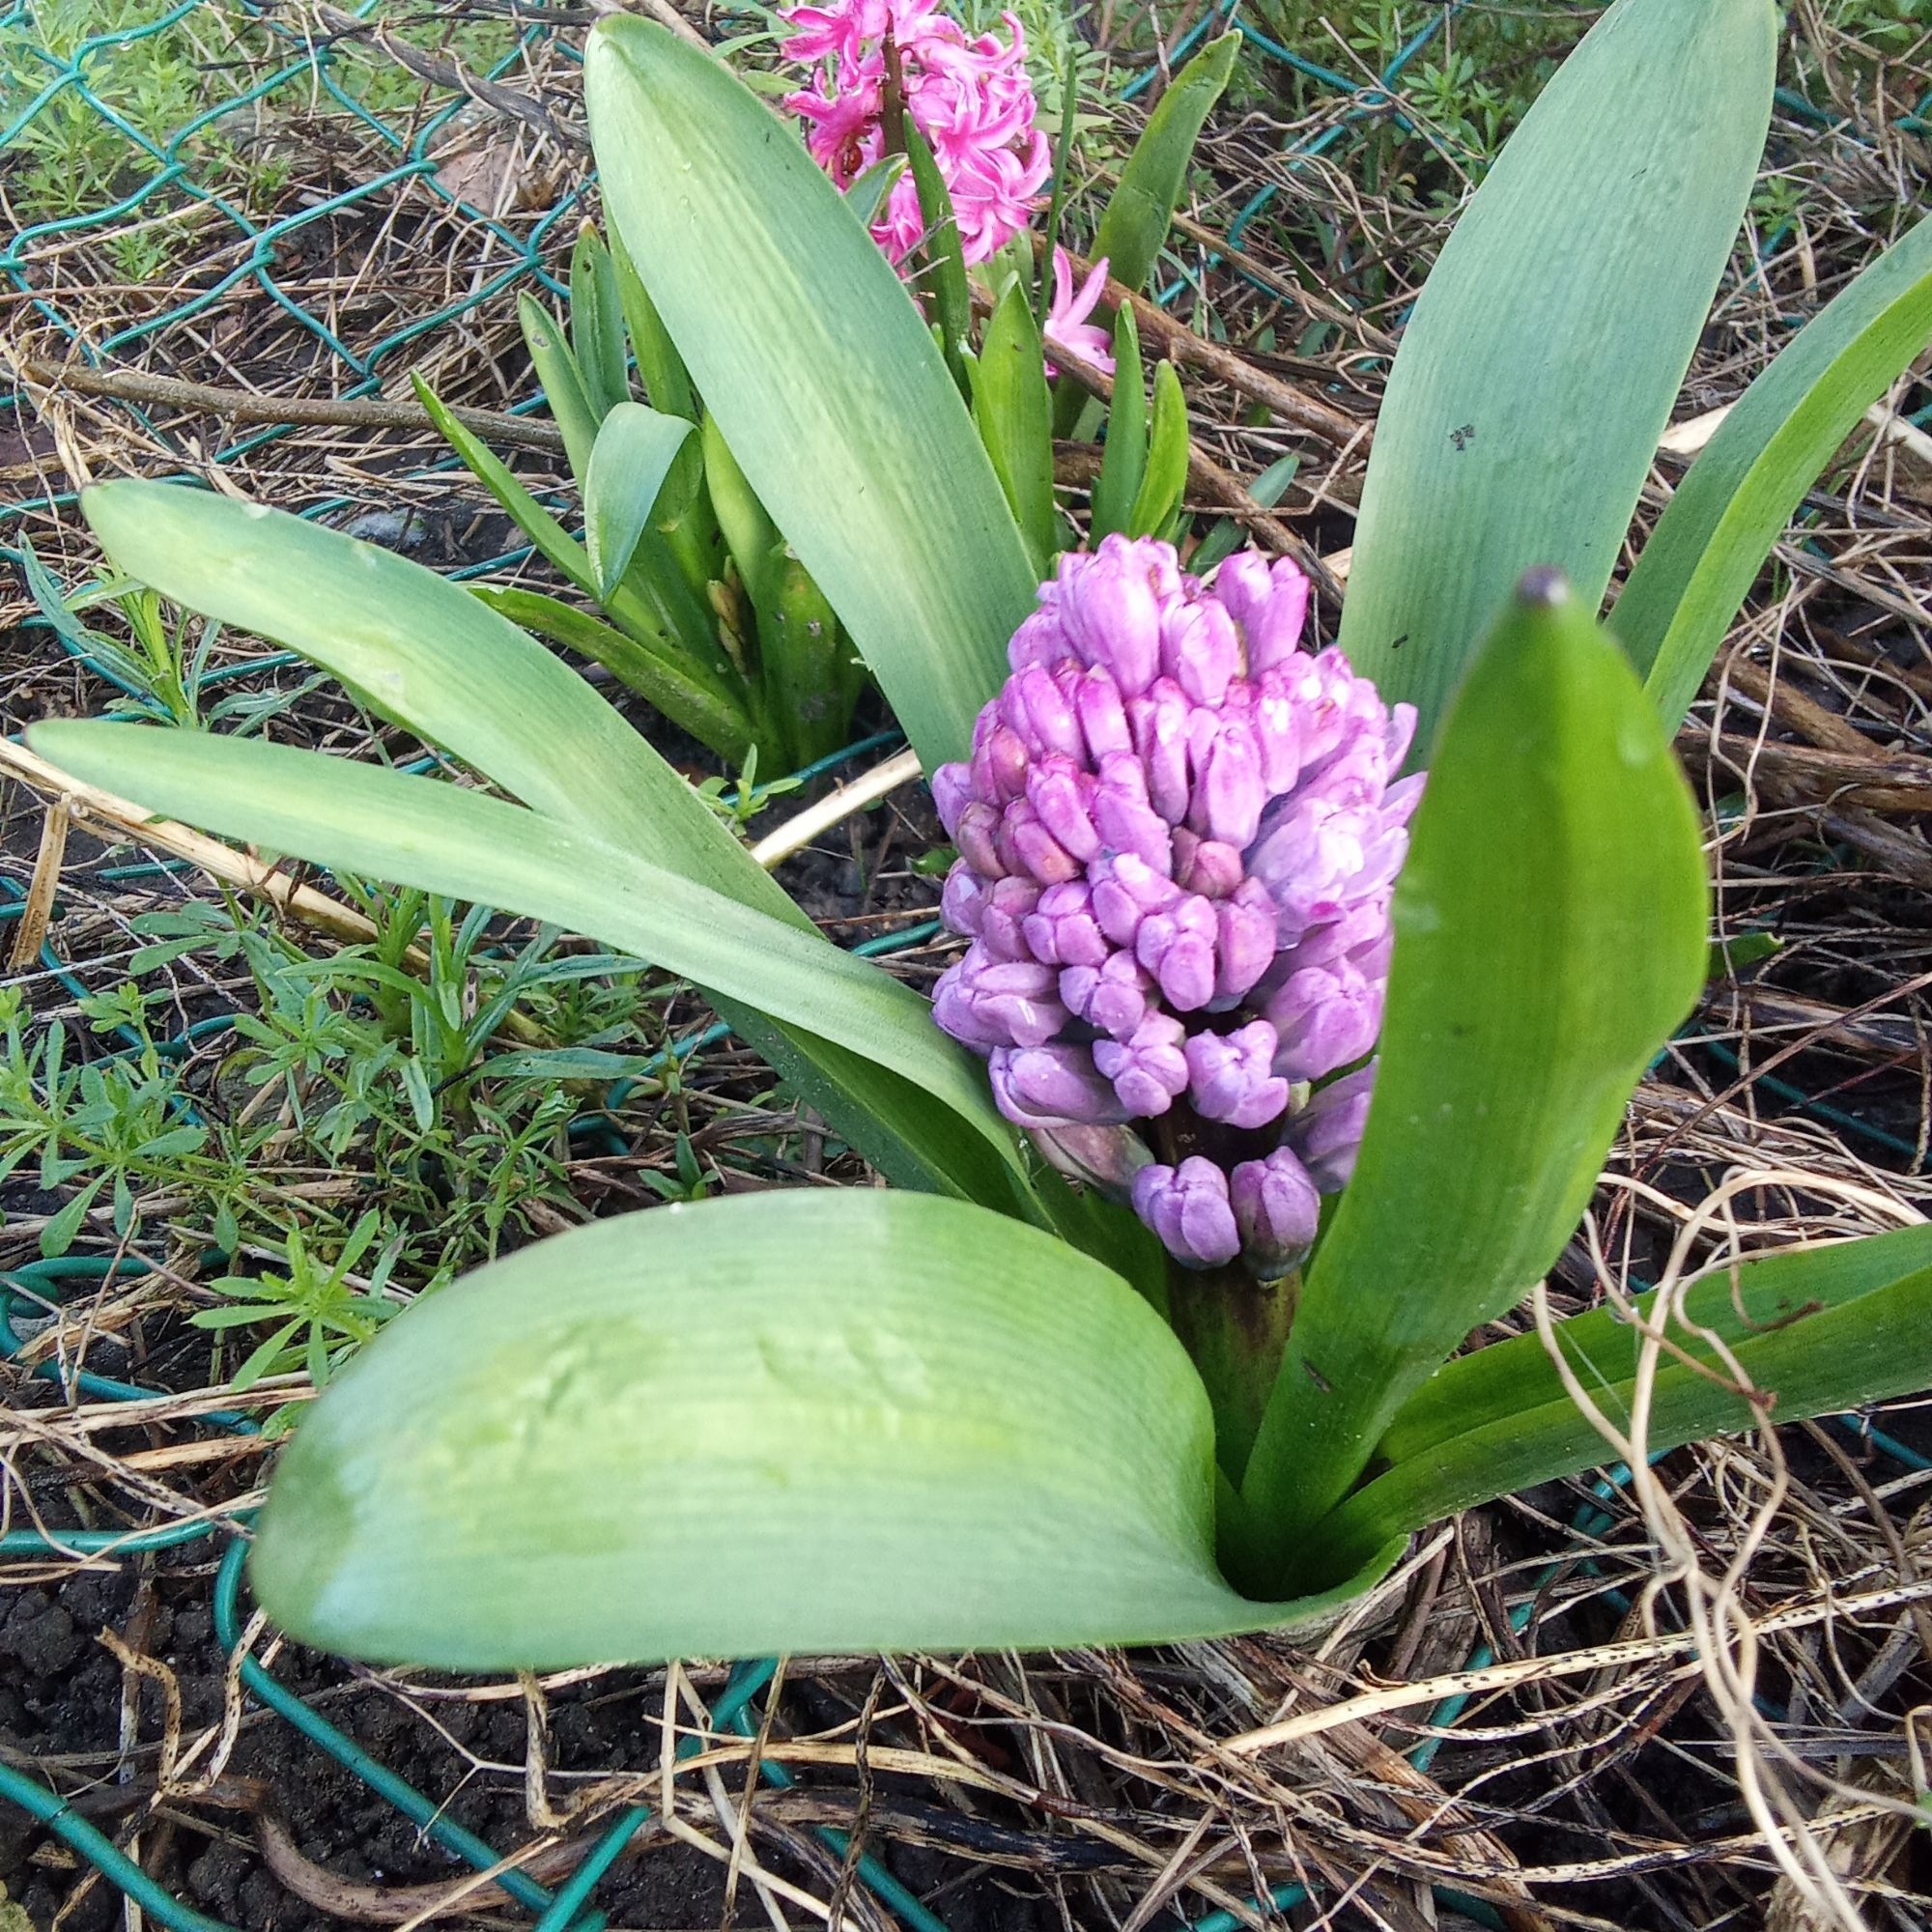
{"x": 444, "y": 839}
{"x": 462, "y": 678}
{"x": 660, "y": 676}
{"x": 562, "y": 380}
{"x": 1820, "y": 1331}
{"x": 597, "y": 324}
{"x": 1713, "y": 538}
{"x": 1550, "y": 342}
{"x": 1550, "y": 932}
{"x": 1164, "y": 480}
{"x": 817, "y": 1421}
{"x": 1124, "y": 455}
{"x": 827, "y": 384}
{"x": 1134, "y": 226}
{"x": 633, "y": 452}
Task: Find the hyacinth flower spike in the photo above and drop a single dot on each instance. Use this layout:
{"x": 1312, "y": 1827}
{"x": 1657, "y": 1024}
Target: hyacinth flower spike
{"x": 1179, "y": 838}
{"x": 969, "y": 96}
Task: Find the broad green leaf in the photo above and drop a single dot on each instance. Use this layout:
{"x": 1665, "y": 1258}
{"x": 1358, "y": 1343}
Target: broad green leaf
{"x": 1134, "y": 226}
{"x": 1550, "y": 934}
{"x": 444, "y": 839}
{"x": 1014, "y": 413}
{"x": 633, "y": 455}
{"x": 1550, "y": 342}
{"x": 665, "y": 681}
{"x": 570, "y": 404}
{"x": 1821, "y": 1331}
{"x": 1739, "y": 495}
{"x": 597, "y": 324}
{"x": 1165, "y": 480}
{"x": 470, "y": 681}
{"x": 811, "y": 1421}
{"x": 1123, "y": 457}
{"x": 827, "y": 385}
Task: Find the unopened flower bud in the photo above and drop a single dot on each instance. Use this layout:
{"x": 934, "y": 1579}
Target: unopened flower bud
{"x": 1188, "y": 1207}
{"x": 1051, "y": 1084}
{"x": 1230, "y": 1076}
{"x": 1150, "y": 1068}
{"x": 1277, "y": 1211}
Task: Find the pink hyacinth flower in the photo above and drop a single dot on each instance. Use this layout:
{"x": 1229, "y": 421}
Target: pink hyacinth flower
{"x": 1066, "y": 324}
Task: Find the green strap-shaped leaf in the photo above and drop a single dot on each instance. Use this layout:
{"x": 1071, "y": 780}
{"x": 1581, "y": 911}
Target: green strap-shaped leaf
{"x": 661, "y": 677}
{"x": 1821, "y": 1331}
{"x": 570, "y": 403}
{"x": 944, "y": 276}
{"x": 1714, "y": 536}
{"x": 444, "y": 839}
{"x": 750, "y": 533}
{"x": 1123, "y": 458}
{"x": 465, "y": 680}
{"x": 1014, "y": 413}
{"x": 1505, "y": 1377}
{"x": 1164, "y": 481}
{"x": 789, "y": 1422}
{"x": 1550, "y": 932}
{"x": 597, "y": 324}
{"x": 571, "y": 560}
{"x": 1549, "y": 345}
{"x": 826, "y": 382}
{"x": 633, "y": 452}
{"x": 1134, "y": 226}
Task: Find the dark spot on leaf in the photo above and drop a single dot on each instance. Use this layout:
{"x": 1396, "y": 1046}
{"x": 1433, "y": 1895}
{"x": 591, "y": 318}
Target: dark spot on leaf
{"x": 1463, "y": 438}
{"x": 1316, "y": 1376}
{"x": 1400, "y": 641}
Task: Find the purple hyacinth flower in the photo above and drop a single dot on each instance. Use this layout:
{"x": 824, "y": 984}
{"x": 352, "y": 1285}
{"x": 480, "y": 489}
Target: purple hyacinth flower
{"x": 1061, "y": 929}
{"x": 1230, "y": 1076}
{"x": 1149, "y": 1069}
{"x": 1277, "y": 1210}
{"x": 1178, "y": 836}
{"x": 1328, "y": 1132}
{"x": 1188, "y": 1207}
{"x": 1003, "y": 916}
{"x": 1270, "y": 602}
{"x": 1177, "y": 948}
{"x": 1103, "y": 1159}
{"x": 1112, "y": 997}
{"x": 988, "y": 1002}
{"x": 1047, "y": 1085}
{"x": 1326, "y": 1020}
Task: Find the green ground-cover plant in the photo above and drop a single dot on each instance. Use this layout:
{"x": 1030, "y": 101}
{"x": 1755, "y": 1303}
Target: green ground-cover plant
{"x": 873, "y": 1419}
{"x": 160, "y": 76}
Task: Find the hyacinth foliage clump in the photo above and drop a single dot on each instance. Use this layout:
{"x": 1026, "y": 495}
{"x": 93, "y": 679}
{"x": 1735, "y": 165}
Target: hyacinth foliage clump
{"x": 1234, "y": 1118}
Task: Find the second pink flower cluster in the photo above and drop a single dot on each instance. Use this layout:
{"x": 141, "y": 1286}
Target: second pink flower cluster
{"x": 971, "y": 99}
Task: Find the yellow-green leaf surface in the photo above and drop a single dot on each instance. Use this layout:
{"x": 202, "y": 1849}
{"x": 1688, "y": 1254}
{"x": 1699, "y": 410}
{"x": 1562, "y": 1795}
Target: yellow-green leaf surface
{"x": 1734, "y": 500}
{"x": 1550, "y": 342}
{"x": 1827, "y": 1329}
{"x": 826, "y": 382}
{"x": 812, "y": 1421}
{"x": 1550, "y": 932}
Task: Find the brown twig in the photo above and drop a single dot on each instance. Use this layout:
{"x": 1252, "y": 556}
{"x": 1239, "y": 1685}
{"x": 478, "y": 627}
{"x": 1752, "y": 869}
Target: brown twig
{"x": 136, "y": 386}
{"x": 1179, "y": 344}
